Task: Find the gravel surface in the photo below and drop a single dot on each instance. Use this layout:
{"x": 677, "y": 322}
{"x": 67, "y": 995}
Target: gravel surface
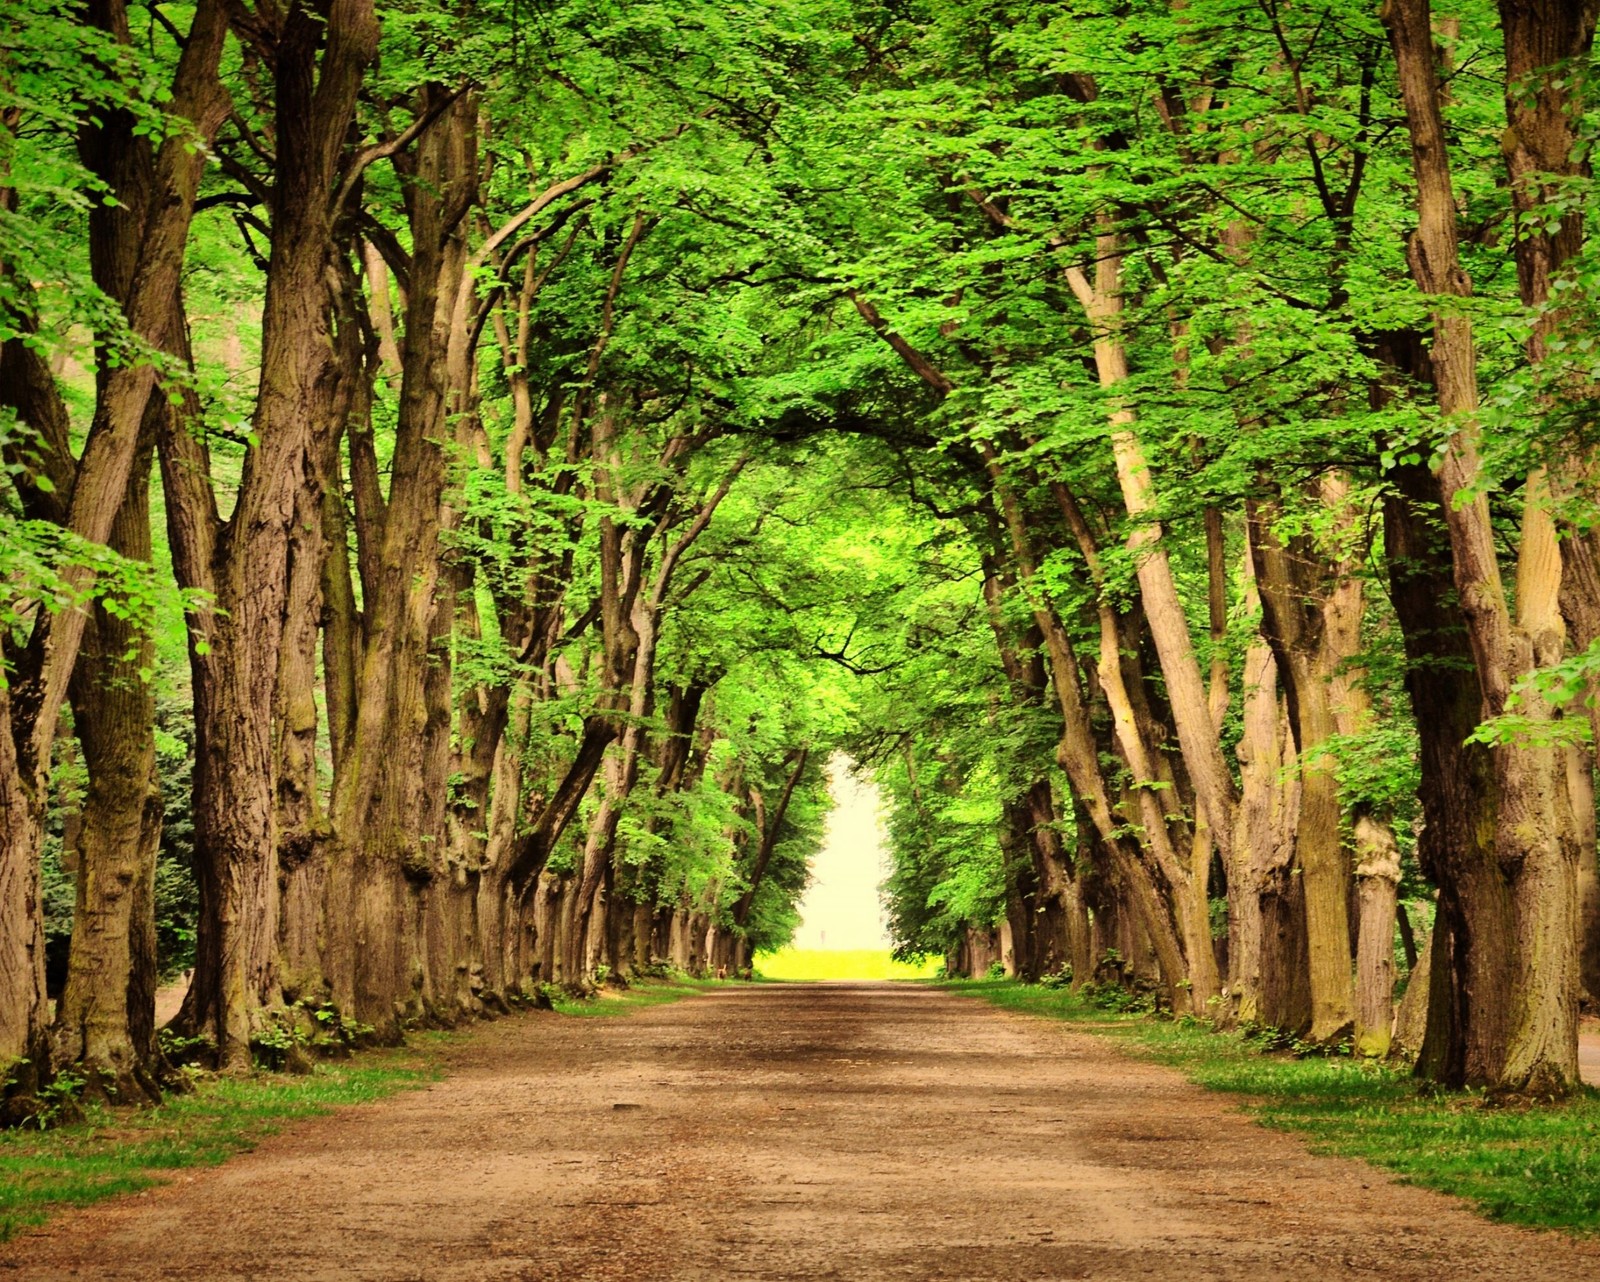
{"x": 790, "y": 1131}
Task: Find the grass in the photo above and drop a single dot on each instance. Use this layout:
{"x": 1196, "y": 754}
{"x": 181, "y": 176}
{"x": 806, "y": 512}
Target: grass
{"x": 125, "y": 1150}
{"x": 619, "y": 1001}
{"x": 819, "y": 963}
{"x": 1534, "y": 1166}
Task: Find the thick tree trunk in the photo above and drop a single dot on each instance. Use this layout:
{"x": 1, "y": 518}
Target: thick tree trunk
{"x": 24, "y": 1014}
{"x": 1411, "y": 1020}
{"x": 105, "y": 1018}
{"x": 678, "y": 945}
{"x": 389, "y": 811}
{"x": 643, "y": 926}
{"x": 1544, "y": 40}
{"x": 320, "y": 60}
{"x": 1580, "y": 605}
{"x": 1522, "y": 907}
{"x": 1589, "y": 928}
{"x": 1294, "y": 598}
{"x": 111, "y": 967}
{"x": 545, "y": 913}
{"x": 29, "y": 708}
{"x": 302, "y": 829}
{"x": 1469, "y": 1003}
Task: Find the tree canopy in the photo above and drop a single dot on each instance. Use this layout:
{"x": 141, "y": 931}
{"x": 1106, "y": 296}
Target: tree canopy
{"x": 469, "y": 467}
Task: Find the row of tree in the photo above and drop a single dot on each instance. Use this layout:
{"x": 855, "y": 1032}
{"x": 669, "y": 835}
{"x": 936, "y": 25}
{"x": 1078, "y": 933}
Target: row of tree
{"x": 407, "y": 315}
{"x": 1248, "y": 464}
{"x": 572, "y": 423}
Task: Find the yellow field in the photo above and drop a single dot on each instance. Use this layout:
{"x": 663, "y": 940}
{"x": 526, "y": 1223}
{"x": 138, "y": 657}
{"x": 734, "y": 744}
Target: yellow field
{"x": 816, "y": 963}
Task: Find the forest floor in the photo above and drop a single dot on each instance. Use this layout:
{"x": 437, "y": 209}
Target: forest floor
{"x": 791, "y": 1131}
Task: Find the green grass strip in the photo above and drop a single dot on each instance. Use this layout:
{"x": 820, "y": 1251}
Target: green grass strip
{"x": 639, "y": 993}
{"x": 124, "y": 1150}
{"x": 1537, "y": 1166}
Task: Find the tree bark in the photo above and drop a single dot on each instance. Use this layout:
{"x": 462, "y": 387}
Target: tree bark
{"x": 1377, "y": 888}
{"x": 1263, "y": 850}
{"x": 1102, "y": 303}
{"x": 1294, "y": 595}
{"x": 320, "y": 60}
{"x": 29, "y": 708}
{"x": 111, "y": 971}
{"x": 1534, "y": 870}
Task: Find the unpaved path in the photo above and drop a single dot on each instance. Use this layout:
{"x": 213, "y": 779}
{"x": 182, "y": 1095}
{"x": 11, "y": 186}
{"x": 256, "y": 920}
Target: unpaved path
{"x": 794, "y": 1131}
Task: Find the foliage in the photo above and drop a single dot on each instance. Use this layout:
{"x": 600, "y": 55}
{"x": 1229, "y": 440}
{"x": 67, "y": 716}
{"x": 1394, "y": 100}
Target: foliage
{"x": 783, "y": 348}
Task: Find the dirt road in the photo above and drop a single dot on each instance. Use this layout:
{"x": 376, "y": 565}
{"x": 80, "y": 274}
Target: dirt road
{"x": 795, "y": 1131}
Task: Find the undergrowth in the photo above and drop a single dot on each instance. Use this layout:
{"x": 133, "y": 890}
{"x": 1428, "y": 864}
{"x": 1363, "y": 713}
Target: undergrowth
{"x": 1532, "y": 1165}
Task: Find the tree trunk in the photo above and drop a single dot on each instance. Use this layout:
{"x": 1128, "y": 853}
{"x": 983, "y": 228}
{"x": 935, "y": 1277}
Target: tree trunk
{"x": 1264, "y": 842}
{"x": 1294, "y": 597}
{"x": 320, "y": 61}
{"x": 1102, "y": 302}
{"x": 29, "y": 708}
{"x": 1411, "y": 1020}
{"x": 1580, "y": 605}
{"x": 112, "y": 963}
{"x": 1544, "y": 40}
{"x": 105, "y": 1018}
{"x": 302, "y": 830}
{"x": 1152, "y": 784}
{"x": 1589, "y": 924}
{"x": 389, "y": 812}
{"x": 1078, "y": 755}
{"x": 1468, "y": 1006}
{"x": 1058, "y": 915}
{"x": 1521, "y": 907}
{"x": 1377, "y": 887}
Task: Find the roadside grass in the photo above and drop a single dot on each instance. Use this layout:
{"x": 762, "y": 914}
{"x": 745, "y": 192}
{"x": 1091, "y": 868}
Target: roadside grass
{"x": 841, "y": 963}
{"x": 1537, "y": 1166}
{"x": 640, "y": 992}
{"x": 126, "y": 1150}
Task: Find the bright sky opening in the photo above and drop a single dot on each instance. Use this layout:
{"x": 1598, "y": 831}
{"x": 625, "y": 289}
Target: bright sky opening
{"x": 841, "y": 908}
